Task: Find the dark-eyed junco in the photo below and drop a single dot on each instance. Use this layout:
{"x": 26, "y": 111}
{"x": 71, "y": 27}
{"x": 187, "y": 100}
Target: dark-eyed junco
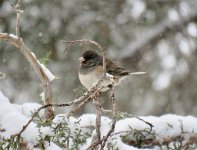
{"x": 91, "y": 69}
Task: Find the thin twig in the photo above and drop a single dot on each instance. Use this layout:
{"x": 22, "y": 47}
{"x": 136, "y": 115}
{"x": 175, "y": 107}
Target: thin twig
{"x": 18, "y": 12}
{"x": 17, "y": 24}
{"x": 76, "y": 108}
{"x": 114, "y": 114}
{"x": 37, "y": 111}
{"x": 98, "y": 117}
{"x": 132, "y": 116}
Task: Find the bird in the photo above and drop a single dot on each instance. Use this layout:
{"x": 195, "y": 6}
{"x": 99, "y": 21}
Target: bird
{"x": 91, "y": 70}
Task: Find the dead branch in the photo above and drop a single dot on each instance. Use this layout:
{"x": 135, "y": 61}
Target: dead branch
{"x": 18, "y": 12}
{"x": 131, "y": 116}
{"x": 98, "y": 117}
{"x": 18, "y": 42}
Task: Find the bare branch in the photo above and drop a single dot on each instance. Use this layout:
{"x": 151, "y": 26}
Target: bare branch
{"x": 114, "y": 114}
{"x": 98, "y": 117}
{"x": 83, "y": 102}
{"x": 18, "y": 42}
{"x": 130, "y": 115}
{"x": 17, "y": 24}
{"x": 18, "y": 12}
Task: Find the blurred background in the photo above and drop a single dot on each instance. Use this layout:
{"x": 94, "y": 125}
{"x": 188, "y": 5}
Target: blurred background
{"x": 155, "y": 36}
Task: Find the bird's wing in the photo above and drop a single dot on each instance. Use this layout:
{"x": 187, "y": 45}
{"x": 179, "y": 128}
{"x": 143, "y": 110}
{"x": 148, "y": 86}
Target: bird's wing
{"x": 114, "y": 69}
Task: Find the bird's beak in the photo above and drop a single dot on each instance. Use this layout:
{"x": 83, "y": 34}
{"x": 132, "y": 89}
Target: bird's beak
{"x": 81, "y": 59}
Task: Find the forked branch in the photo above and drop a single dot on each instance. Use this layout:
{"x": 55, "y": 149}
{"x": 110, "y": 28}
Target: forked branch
{"x": 18, "y": 42}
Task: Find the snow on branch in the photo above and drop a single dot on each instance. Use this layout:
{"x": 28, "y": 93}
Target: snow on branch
{"x": 42, "y": 74}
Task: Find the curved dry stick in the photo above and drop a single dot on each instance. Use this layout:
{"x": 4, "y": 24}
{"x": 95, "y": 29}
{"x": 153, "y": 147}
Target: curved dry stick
{"x": 18, "y": 42}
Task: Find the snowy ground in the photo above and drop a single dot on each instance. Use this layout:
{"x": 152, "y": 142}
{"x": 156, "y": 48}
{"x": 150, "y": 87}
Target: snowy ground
{"x": 13, "y": 117}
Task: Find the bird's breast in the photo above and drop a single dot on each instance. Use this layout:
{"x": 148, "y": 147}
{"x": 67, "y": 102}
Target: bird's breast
{"x": 88, "y": 79}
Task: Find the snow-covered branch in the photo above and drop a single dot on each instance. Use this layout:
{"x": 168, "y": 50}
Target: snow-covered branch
{"x": 41, "y": 73}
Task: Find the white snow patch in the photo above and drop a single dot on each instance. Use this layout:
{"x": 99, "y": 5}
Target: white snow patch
{"x": 42, "y": 97}
{"x": 48, "y": 73}
{"x": 51, "y": 146}
{"x": 13, "y": 36}
{"x": 169, "y": 125}
{"x": 28, "y": 109}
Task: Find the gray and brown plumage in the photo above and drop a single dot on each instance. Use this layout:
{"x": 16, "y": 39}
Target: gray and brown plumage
{"x": 91, "y": 69}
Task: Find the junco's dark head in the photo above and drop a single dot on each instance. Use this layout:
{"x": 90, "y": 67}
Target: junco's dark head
{"x": 90, "y": 58}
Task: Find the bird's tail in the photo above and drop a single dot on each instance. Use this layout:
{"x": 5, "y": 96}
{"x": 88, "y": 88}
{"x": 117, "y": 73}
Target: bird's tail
{"x": 137, "y": 73}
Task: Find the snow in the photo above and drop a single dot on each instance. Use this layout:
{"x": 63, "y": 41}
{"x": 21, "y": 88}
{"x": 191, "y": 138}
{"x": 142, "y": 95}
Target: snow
{"x": 13, "y": 117}
{"x": 13, "y": 36}
{"x": 48, "y": 73}
{"x": 28, "y": 108}
{"x": 13, "y": 120}
{"x": 51, "y": 146}
{"x": 42, "y": 96}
